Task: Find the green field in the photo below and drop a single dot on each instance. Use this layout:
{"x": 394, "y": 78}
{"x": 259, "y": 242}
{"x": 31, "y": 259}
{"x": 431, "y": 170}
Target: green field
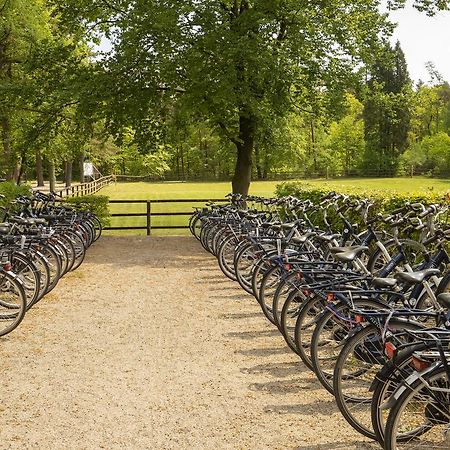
{"x": 181, "y": 190}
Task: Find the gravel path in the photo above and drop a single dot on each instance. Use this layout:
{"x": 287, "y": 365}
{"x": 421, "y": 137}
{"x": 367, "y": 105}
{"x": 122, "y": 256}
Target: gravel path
{"x": 148, "y": 346}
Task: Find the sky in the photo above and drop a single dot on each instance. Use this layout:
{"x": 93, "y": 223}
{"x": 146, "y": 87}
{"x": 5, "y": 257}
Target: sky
{"x": 423, "y": 39}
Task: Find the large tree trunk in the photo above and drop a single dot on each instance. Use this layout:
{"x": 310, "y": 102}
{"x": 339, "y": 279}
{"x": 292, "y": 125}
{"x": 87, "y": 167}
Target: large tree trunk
{"x": 68, "y": 173}
{"x": 52, "y": 176}
{"x": 243, "y": 170}
{"x": 39, "y": 169}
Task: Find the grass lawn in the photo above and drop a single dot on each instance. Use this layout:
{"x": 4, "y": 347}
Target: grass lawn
{"x": 180, "y": 190}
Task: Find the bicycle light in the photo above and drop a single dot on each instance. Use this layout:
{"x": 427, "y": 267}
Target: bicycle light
{"x": 420, "y": 364}
{"x": 390, "y": 350}
{"x": 359, "y": 318}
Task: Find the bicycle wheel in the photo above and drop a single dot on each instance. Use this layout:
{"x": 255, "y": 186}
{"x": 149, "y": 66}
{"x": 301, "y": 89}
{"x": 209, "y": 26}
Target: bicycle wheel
{"x": 289, "y": 314}
{"x": 385, "y": 383}
{"x": 79, "y": 248}
{"x": 54, "y": 263}
{"x": 289, "y": 283}
{"x": 245, "y": 260}
{"x": 359, "y": 361}
{"x": 28, "y": 273}
{"x": 261, "y": 267}
{"x": 63, "y": 255}
{"x": 305, "y": 325}
{"x": 420, "y": 419}
{"x": 195, "y": 225}
{"x": 42, "y": 266}
{"x": 98, "y": 227}
{"x": 225, "y": 256}
{"x": 329, "y": 335}
{"x": 13, "y": 303}
{"x": 269, "y": 285}
{"x": 415, "y": 253}
{"x": 70, "y": 250}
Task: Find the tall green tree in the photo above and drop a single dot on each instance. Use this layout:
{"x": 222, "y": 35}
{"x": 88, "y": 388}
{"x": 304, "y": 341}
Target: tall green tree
{"x": 23, "y": 25}
{"x": 237, "y": 63}
{"x": 387, "y": 111}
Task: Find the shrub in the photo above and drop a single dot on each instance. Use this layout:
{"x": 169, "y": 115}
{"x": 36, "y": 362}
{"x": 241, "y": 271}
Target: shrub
{"x": 384, "y": 201}
{"x": 10, "y": 190}
{"x": 97, "y": 204}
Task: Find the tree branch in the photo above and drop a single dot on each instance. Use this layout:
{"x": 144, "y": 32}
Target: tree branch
{"x": 223, "y": 5}
{"x": 112, "y": 7}
{"x": 283, "y": 31}
{"x": 227, "y": 133}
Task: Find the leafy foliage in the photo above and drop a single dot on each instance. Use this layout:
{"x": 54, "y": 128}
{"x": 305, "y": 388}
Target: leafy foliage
{"x": 9, "y": 191}
{"x": 97, "y": 204}
{"x": 383, "y": 201}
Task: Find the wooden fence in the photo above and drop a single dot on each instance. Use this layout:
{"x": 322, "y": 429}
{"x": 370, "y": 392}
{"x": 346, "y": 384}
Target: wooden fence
{"x": 86, "y": 188}
{"x": 148, "y": 213}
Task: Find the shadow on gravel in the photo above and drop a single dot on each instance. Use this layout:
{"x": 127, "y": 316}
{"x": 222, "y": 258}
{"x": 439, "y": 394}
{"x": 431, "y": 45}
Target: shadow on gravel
{"x": 246, "y": 315}
{"x": 221, "y": 288}
{"x": 327, "y": 406}
{"x": 252, "y": 334}
{"x": 265, "y": 351}
{"x": 361, "y": 445}
{"x": 226, "y": 297}
{"x": 290, "y": 386}
{"x": 212, "y": 279}
{"x": 277, "y": 370}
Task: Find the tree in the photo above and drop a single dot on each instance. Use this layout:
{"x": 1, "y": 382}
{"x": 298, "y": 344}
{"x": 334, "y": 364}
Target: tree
{"x": 238, "y": 63}
{"x": 387, "y": 112}
{"x": 23, "y": 25}
{"x": 45, "y": 83}
{"x": 346, "y": 139}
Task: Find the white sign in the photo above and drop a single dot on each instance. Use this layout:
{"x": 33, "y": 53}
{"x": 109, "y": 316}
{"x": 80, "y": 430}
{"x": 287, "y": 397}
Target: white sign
{"x": 88, "y": 169}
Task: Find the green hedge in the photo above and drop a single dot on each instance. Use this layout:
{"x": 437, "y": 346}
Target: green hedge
{"x": 10, "y": 190}
{"x": 97, "y": 204}
{"x": 384, "y": 201}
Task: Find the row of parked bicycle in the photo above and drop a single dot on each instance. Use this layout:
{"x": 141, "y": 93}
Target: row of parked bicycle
{"x": 40, "y": 241}
{"x": 365, "y": 305}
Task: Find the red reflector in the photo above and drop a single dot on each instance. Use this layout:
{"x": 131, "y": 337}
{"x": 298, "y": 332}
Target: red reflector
{"x": 288, "y": 266}
{"x": 299, "y": 275}
{"x": 419, "y": 364}
{"x": 7, "y": 267}
{"x": 306, "y": 292}
{"x": 359, "y": 318}
{"x": 330, "y": 297}
{"x": 389, "y": 349}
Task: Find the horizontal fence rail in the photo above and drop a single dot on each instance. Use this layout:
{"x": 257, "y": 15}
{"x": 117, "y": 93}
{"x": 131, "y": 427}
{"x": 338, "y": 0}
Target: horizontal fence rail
{"x": 148, "y": 213}
{"x": 89, "y": 188}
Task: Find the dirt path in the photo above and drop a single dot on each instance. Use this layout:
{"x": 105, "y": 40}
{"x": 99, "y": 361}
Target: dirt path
{"x": 148, "y": 346}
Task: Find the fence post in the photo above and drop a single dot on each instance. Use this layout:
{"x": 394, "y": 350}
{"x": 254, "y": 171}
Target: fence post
{"x": 149, "y": 215}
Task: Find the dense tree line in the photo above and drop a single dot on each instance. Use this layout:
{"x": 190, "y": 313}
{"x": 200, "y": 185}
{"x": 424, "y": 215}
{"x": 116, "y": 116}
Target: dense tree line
{"x": 229, "y": 89}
